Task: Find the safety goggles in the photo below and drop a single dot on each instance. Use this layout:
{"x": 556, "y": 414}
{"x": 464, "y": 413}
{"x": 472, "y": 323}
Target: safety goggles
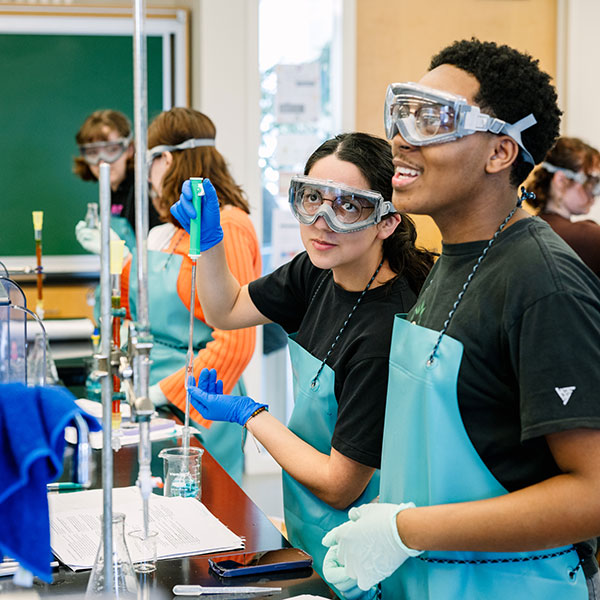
{"x": 108, "y": 151}
{"x": 590, "y": 182}
{"x": 425, "y": 116}
{"x": 191, "y": 143}
{"x": 345, "y": 209}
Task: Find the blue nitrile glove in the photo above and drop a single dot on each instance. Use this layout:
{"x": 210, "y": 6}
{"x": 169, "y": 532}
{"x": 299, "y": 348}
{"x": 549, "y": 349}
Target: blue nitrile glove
{"x": 337, "y": 576}
{"x": 369, "y": 546}
{"x": 210, "y": 221}
{"x": 208, "y": 399}
{"x": 89, "y": 238}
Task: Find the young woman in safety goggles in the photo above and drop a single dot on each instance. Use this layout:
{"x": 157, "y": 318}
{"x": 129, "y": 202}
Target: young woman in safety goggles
{"x": 565, "y": 185}
{"x": 336, "y": 300}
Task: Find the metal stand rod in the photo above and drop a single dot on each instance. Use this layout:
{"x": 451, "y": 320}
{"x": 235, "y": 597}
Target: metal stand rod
{"x": 140, "y": 106}
{"x": 106, "y": 379}
{"x": 143, "y": 408}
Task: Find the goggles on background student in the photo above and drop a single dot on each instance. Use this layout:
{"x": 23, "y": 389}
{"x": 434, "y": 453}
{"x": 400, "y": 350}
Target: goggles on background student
{"x": 590, "y": 182}
{"x": 424, "y": 115}
{"x": 345, "y": 209}
{"x": 186, "y": 145}
{"x": 108, "y": 151}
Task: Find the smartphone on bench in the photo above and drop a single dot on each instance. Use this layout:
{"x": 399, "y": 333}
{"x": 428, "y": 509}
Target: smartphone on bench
{"x": 252, "y": 563}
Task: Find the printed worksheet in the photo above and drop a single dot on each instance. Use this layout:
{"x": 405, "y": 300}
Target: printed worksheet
{"x": 185, "y": 526}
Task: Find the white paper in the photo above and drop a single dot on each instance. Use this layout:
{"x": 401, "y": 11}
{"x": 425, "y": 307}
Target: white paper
{"x": 298, "y": 98}
{"x": 160, "y": 428}
{"x": 132, "y": 435}
{"x": 285, "y": 237}
{"x": 185, "y": 526}
{"x": 293, "y": 150}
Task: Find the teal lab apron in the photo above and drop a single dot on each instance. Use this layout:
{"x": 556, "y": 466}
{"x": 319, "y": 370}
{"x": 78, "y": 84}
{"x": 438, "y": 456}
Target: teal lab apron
{"x": 427, "y": 458}
{"x": 307, "y": 518}
{"x": 169, "y": 324}
{"x": 123, "y": 229}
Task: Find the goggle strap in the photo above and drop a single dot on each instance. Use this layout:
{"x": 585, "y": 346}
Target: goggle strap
{"x": 514, "y": 131}
{"x": 386, "y": 208}
{"x": 186, "y": 145}
{"x": 577, "y": 177}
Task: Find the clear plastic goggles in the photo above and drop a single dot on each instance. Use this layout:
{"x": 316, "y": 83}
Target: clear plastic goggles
{"x": 590, "y": 182}
{"x": 191, "y": 143}
{"x": 344, "y": 208}
{"x": 108, "y": 151}
{"x": 425, "y": 116}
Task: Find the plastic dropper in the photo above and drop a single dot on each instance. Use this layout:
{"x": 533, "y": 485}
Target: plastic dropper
{"x": 38, "y": 220}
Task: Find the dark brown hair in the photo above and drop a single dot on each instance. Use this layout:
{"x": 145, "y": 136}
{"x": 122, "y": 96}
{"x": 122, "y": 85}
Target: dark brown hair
{"x": 373, "y": 158}
{"x": 178, "y": 125}
{"x": 94, "y": 129}
{"x": 568, "y": 152}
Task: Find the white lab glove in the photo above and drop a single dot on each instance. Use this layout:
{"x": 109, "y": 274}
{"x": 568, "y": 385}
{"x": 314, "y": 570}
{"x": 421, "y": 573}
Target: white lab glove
{"x": 156, "y": 396}
{"x": 337, "y": 576}
{"x": 90, "y": 238}
{"x": 368, "y": 546}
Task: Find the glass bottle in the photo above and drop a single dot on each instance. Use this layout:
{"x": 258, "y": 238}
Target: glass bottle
{"x": 91, "y": 216}
{"x": 41, "y": 368}
{"x": 124, "y": 580}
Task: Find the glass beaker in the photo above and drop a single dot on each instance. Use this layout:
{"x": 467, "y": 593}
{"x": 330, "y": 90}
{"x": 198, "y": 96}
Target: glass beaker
{"x": 144, "y": 550}
{"x": 182, "y": 471}
{"x": 124, "y": 580}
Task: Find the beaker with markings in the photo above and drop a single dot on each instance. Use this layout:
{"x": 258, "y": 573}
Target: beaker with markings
{"x": 182, "y": 471}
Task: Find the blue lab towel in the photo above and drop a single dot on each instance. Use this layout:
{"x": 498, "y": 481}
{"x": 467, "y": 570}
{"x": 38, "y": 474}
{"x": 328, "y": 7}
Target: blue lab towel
{"x": 32, "y": 423}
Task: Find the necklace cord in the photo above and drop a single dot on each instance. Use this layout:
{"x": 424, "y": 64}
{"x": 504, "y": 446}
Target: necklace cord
{"x": 525, "y": 195}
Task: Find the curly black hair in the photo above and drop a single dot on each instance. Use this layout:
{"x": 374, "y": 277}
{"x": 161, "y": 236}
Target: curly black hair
{"x": 511, "y": 87}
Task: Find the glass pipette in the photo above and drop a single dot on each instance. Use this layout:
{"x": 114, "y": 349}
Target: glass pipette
{"x": 197, "y": 193}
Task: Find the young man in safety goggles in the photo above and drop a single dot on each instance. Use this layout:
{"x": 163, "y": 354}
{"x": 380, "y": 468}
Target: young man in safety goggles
{"x": 490, "y": 477}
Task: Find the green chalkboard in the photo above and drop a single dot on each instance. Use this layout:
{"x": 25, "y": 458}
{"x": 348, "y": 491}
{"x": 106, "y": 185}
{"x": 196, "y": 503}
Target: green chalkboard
{"x": 49, "y": 85}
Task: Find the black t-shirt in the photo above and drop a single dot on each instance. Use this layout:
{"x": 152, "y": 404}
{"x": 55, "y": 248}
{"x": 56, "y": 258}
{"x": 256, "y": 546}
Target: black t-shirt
{"x": 125, "y": 196}
{"x": 530, "y": 326}
{"x": 305, "y": 300}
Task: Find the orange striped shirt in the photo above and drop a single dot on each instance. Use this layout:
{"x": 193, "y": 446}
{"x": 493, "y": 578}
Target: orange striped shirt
{"x": 229, "y": 352}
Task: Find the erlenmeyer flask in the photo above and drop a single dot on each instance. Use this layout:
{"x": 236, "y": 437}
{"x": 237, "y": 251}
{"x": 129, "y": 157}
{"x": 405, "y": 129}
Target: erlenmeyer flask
{"x": 124, "y": 580}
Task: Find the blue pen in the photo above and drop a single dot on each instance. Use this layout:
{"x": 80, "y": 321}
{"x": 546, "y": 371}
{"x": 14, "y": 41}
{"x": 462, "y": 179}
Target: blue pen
{"x": 61, "y": 486}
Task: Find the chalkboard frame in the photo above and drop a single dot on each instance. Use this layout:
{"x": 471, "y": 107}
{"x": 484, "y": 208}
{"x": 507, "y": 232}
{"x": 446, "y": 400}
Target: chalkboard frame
{"x": 171, "y": 25}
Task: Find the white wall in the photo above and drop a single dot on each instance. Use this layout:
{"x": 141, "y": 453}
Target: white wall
{"x": 225, "y": 86}
{"x": 579, "y": 74}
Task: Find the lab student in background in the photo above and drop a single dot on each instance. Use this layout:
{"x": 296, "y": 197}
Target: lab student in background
{"x": 337, "y": 301}
{"x": 105, "y": 136}
{"x": 182, "y": 145}
{"x": 565, "y": 185}
{"x": 490, "y": 472}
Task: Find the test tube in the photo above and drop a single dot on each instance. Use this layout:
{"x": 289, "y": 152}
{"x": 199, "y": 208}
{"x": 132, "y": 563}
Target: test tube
{"x": 38, "y": 220}
{"x": 116, "y": 266}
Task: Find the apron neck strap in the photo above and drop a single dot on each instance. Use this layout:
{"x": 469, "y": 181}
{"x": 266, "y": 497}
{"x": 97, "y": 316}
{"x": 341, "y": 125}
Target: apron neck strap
{"x": 313, "y": 383}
